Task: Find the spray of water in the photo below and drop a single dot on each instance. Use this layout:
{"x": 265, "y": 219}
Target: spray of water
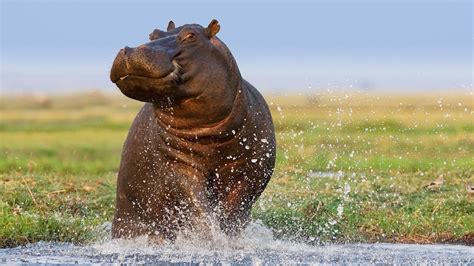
{"x": 256, "y": 246}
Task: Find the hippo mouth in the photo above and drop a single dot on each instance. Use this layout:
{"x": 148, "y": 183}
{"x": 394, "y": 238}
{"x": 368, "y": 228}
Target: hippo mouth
{"x": 172, "y": 75}
{"x": 147, "y": 88}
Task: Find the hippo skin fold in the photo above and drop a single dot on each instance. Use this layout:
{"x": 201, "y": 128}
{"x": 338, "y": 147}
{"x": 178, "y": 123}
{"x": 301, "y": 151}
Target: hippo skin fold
{"x": 202, "y": 148}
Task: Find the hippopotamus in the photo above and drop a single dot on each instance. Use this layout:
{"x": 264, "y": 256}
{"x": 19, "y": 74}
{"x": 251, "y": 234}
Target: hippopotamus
{"x": 201, "y": 149}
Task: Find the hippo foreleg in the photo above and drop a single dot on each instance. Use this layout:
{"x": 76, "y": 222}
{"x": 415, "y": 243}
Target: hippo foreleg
{"x": 126, "y": 223}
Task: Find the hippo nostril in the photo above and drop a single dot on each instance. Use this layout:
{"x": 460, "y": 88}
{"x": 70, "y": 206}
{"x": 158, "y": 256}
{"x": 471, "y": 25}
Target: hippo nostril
{"x": 126, "y": 50}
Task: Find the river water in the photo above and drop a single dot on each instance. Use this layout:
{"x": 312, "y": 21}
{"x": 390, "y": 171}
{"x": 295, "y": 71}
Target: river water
{"x": 257, "y": 246}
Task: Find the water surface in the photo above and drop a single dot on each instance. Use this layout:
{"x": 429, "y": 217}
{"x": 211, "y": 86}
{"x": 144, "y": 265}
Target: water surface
{"x": 256, "y": 246}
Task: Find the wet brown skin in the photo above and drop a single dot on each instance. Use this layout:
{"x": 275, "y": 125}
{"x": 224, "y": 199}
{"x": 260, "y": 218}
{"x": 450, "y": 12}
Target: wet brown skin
{"x": 201, "y": 149}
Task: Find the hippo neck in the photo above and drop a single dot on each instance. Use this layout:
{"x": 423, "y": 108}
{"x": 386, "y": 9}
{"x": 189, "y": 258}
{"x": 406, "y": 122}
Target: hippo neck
{"x": 223, "y": 123}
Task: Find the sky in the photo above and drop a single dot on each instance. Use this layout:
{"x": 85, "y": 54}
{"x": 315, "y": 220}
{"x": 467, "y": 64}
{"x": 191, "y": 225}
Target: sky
{"x": 380, "y": 45}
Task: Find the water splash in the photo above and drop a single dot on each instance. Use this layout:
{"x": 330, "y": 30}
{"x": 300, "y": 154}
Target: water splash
{"x": 255, "y": 239}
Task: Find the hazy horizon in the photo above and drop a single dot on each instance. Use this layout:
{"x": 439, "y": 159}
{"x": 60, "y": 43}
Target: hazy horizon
{"x": 56, "y": 46}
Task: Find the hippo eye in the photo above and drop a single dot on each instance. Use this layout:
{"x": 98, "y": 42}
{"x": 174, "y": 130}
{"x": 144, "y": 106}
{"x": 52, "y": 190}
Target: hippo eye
{"x": 190, "y": 36}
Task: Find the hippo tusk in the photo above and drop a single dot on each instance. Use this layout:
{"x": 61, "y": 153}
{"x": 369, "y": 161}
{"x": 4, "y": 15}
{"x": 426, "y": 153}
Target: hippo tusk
{"x": 124, "y": 77}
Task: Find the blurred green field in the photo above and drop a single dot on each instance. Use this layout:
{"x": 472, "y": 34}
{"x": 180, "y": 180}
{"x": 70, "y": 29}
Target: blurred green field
{"x": 350, "y": 167}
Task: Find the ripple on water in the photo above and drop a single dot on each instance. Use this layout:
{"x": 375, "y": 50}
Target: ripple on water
{"x": 256, "y": 246}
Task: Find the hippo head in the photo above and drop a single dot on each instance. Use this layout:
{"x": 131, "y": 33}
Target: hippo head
{"x": 176, "y": 64}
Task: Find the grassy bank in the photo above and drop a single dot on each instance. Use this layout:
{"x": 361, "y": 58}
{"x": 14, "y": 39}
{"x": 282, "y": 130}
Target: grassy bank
{"x": 349, "y": 168}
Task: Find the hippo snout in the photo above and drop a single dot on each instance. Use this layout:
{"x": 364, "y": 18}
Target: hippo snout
{"x": 142, "y": 61}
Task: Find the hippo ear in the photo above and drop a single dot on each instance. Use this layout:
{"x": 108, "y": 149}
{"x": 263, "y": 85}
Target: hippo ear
{"x": 156, "y": 34}
{"x": 171, "y": 26}
{"x": 213, "y": 28}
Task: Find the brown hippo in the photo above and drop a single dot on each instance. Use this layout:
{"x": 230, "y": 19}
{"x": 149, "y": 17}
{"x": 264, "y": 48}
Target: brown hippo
{"x": 201, "y": 149}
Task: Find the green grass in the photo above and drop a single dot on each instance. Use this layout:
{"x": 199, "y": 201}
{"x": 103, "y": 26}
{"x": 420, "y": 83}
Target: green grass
{"x": 59, "y": 161}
